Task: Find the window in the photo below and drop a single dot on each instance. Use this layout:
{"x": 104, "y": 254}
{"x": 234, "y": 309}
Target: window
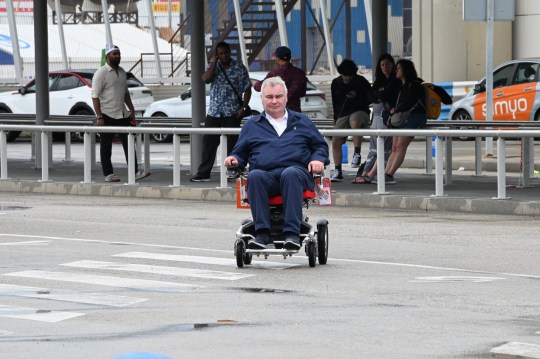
{"x": 525, "y": 72}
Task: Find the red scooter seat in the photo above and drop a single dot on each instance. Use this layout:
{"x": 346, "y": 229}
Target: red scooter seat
{"x": 307, "y": 195}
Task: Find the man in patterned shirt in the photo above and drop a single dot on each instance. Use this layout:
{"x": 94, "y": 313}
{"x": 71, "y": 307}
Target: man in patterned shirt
{"x": 294, "y": 77}
{"x": 228, "y": 80}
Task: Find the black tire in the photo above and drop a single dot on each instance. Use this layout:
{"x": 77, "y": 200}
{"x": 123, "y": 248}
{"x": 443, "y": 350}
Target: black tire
{"x": 312, "y": 253}
{"x": 82, "y": 112}
{"x": 161, "y": 137}
{"x": 462, "y": 115}
{"x": 12, "y": 135}
{"x": 239, "y": 253}
{"x": 247, "y": 258}
{"x": 322, "y": 242}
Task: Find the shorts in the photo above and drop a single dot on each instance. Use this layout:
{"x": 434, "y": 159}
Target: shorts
{"x": 415, "y": 121}
{"x": 360, "y": 118}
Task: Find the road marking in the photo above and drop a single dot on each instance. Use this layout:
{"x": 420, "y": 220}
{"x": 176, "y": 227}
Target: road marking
{"x": 204, "y": 260}
{"x": 5, "y": 332}
{"x": 447, "y": 279}
{"x": 142, "y": 268}
{"x": 517, "y": 350}
{"x": 39, "y": 315}
{"x": 68, "y": 296}
{"x": 520, "y": 275}
{"x": 136, "y": 284}
{"x": 26, "y": 243}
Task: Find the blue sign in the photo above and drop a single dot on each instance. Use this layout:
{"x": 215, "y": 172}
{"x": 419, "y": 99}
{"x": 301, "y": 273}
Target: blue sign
{"x": 5, "y": 40}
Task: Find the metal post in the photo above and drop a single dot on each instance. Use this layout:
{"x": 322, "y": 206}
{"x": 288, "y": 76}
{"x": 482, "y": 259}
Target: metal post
{"x": 176, "y": 161}
{"x": 59, "y": 17}
{"x": 67, "y": 146}
{"x": 198, "y": 62}
{"x": 448, "y": 166}
{"x": 489, "y": 71}
{"x": 87, "y": 157}
{"x": 105, "y": 9}
{"x": 223, "y": 153}
{"x": 14, "y": 41}
{"x": 327, "y": 38}
{"x": 240, "y": 30}
{"x": 3, "y": 155}
{"x": 381, "y": 185}
{"x": 131, "y": 158}
{"x": 439, "y": 175}
{"x": 154, "y": 39}
{"x": 44, "y": 156}
{"x": 525, "y": 164}
{"x": 280, "y": 17}
{"x": 501, "y": 169}
{"x": 429, "y": 154}
{"x": 146, "y": 152}
{"x": 478, "y": 156}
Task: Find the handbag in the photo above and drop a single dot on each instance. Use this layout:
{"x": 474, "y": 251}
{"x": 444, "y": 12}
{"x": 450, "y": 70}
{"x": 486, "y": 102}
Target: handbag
{"x": 398, "y": 119}
{"x": 247, "y": 111}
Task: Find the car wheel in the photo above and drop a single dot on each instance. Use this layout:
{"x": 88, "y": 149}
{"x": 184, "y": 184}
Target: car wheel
{"x": 83, "y": 112}
{"x": 462, "y": 115}
{"x": 161, "y": 137}
{"x": 10, "y": 135}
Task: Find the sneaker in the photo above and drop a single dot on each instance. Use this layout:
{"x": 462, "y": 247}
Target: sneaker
{"x": 387, "y": 179}
{"x": 260, "y": 241}
{"x": 292, "y": 242}
{"x": 139, "y": 175}
{"x": 337, "y": 176}
{"x": 356, "y": 159}
{"x": 199, "y": 178}
{"x": 112, "y": 178}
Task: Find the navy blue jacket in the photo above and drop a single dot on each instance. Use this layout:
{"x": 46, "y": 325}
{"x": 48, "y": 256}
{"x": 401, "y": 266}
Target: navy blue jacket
{"x": 261, "y": 147}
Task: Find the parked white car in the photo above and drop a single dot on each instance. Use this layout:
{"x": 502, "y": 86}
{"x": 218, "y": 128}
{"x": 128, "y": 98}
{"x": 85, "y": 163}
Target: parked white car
{"x": 69, "y": 94}
{"x": 313, "y": 105}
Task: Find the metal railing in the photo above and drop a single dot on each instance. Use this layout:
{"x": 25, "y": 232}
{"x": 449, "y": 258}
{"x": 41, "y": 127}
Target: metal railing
{"x": 440, "y": 136}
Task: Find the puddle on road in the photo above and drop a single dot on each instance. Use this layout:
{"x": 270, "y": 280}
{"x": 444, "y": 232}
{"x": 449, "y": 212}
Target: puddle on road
{"x": 263, "y": 290}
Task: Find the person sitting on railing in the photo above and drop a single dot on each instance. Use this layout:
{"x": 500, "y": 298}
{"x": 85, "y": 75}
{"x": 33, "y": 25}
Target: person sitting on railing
{"x": 283, "y": 148}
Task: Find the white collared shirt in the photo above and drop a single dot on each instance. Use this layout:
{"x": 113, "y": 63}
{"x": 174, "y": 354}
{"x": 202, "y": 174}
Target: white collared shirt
{"x": 279, "y": 125}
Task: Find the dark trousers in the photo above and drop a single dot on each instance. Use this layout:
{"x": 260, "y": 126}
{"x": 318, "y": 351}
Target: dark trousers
{"x": 210, "y": 143}
{"x": 106, "y": 140}
{"x": 288, "y": 182}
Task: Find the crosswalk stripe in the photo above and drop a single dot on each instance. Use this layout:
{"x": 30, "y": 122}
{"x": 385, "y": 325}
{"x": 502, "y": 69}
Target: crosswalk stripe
{"x": 68, "y": 296}
{"x": 143, "y": 268}
{"x": 5, "y": 332}
{"x": 39, "y": 315}
{"x": 204, "y": 260}
{"x": 137, "y": 284}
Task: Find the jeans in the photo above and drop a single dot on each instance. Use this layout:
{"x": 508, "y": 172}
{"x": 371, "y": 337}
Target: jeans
{"x": 106, "y": 140}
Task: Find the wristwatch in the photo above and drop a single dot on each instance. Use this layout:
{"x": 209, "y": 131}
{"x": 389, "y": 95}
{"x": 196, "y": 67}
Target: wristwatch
{"x": 99, "y": 117}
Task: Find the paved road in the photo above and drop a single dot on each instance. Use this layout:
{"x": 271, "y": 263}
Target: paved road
{"x": 98, "y": 277}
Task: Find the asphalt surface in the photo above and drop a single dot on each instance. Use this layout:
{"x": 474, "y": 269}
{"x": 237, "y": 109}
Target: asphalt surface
{"x": 414, "y": 190}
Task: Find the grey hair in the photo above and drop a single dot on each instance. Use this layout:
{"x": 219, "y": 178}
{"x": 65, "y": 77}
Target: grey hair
{"x": 274, "y": 81}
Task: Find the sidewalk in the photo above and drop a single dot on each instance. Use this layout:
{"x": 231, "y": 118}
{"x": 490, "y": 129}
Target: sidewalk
{"x": 414, "y": 189}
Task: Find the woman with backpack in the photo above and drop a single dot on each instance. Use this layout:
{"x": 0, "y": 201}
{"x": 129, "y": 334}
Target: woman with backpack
{"x": 410, "y": 107}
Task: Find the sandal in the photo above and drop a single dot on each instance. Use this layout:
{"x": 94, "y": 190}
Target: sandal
{"x": 362, "y": 180}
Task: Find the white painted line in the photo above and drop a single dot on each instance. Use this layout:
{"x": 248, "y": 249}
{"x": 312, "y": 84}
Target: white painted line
{"x": 447, "y": 279}
{"x": 142, "y": 268}
{"x": 518, "y": 350}
{"x": 26, "y": 243}
{"x": 36, "y": 314}
{"x": 231, "y": 262}
{"x": 5, "y": 332}
{"x": 153, "y": 245}
{"x": 136, "y": 284}
{"x": 68, "y": 296}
